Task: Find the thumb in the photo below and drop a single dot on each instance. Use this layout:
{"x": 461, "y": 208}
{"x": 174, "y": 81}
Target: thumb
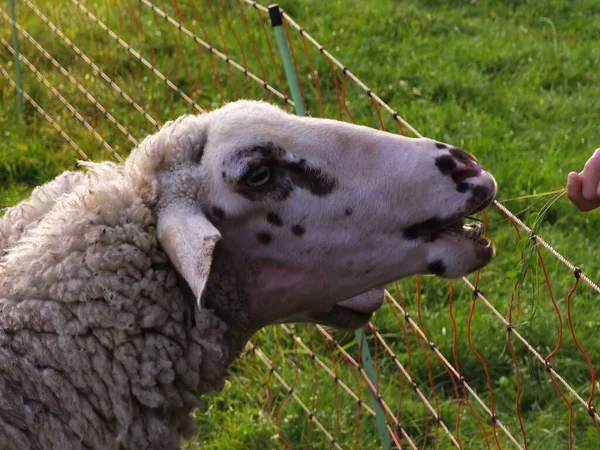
{"x": 574, "y": 193}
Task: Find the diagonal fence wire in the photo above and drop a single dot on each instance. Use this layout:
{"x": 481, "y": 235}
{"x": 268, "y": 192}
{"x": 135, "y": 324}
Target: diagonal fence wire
{"x": 455, "y": 372}
{"x": 45, "y": 115}
{"x": 290, "y": 391}
{"x": 214, "y": 51}
{"x": 126, "y": 46}
{"x": 66, "y": 103}
{"x": 326, "y": 368}
{"x": 578, "y": 273}
{"x": 538, "y": 239}
{"x": 413, "y": 384}
{"x": 341, "y": 66}
{"x": 94, "y": 67}
{"x": 66, "y": 73}
{"x": 376, "y": 394}
{"x": 551, "y": 370}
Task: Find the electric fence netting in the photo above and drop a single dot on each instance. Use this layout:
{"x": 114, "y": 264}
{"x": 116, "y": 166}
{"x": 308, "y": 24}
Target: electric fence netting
{"x": 97, "y": 76}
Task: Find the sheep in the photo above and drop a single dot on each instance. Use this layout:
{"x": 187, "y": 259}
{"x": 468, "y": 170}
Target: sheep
{"x": 126, "y": 290}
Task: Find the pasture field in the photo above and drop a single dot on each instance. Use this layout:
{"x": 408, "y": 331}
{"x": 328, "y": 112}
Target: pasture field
{"x": 515, "y": 82}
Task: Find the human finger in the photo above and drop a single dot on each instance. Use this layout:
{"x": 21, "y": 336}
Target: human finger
{"x": 575, "y": 195}
{"x": 591, "y": 177}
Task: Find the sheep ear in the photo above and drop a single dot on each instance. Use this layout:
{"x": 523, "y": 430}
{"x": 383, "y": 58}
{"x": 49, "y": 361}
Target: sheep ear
{"x": 189, "y": 239}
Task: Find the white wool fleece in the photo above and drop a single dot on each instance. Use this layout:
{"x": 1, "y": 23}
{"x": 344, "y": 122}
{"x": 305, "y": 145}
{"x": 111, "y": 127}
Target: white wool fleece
{"x": 99, "y": 349}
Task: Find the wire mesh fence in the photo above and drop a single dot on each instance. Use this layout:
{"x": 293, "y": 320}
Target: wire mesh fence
{"x": 104, "y": 74}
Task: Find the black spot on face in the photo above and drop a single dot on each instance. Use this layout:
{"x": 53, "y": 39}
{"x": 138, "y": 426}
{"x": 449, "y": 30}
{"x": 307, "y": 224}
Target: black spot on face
{"x": 480, "y": 199}
{"x": 298, "y": 230}
{"x": 462, "y": 187}
{"x": 218, "y": 213}
{"x": 445, "y": 164}
{"x": 311, "y": 178}
{"x": 274, "y": 219}
{"x": 223, "y": 175}
{"x": 264, "y": 237}
{"x": 436, "y": 267}
{"x": 440, "y": 145}
{"x": 348, "y": 211}
{"x": 428, "y": 229}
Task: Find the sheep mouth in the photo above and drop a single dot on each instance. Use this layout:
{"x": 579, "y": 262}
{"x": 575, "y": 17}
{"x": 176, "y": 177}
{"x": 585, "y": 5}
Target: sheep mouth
{"x": 343, "y": 318}
{"x": 472, "y": 232}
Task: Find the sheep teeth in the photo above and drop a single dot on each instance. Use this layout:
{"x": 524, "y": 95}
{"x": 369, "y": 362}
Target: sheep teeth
{"x": 473, "y": 230}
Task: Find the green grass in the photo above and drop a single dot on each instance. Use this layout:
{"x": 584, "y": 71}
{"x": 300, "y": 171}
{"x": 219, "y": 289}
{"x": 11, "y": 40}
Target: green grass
{"x": 514, "y": 82}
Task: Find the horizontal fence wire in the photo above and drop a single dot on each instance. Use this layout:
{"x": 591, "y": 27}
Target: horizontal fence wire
{"x": 397, "y": 431}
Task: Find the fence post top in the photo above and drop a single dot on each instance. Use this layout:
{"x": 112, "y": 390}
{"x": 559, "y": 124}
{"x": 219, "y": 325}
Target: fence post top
{"x": 275, "y": 15}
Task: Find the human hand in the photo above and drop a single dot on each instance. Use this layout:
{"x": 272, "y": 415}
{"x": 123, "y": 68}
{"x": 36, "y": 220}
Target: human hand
{"x": 583, "y": 188}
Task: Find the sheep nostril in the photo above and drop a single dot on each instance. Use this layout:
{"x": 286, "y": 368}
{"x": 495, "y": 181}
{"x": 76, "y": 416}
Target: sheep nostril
{"x": 464, "y": 172}
{"x": 463, "y": 156}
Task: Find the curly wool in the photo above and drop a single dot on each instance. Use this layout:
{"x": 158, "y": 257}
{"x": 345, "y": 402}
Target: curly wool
{"x": 99, "y": 346}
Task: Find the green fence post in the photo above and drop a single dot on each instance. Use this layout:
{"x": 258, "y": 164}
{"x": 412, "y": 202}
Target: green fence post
{"x": 367, "y": 363}
{"x": 288, "y": 65}
{"x": 284, "y": 51}
{"x": 15, "y": 39}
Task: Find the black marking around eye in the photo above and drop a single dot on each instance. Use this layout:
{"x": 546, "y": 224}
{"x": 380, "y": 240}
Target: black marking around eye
{"x": 286, "y": 175}
{"x": 348, "y": 211}
{"x": 445, "y": 163}
{"x": 264, "y": 237}
{"x": 436, "y": 267}
{"x": 218, "y": 212}
{"x": 298, "y": 230}
{"x": 266, "y": 151}
{"x": 440, "y": 145}
{"x": 274, "y": 219}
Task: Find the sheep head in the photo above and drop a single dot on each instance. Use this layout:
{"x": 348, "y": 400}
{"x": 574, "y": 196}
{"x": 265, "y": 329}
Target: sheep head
{"x": 307, "y": 213}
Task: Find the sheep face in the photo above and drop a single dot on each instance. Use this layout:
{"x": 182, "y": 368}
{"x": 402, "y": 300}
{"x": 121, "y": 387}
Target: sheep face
{"x": 316, "y": 211}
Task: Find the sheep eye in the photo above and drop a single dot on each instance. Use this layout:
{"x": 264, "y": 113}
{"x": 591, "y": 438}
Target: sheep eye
{"x": 258, "y": 176}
